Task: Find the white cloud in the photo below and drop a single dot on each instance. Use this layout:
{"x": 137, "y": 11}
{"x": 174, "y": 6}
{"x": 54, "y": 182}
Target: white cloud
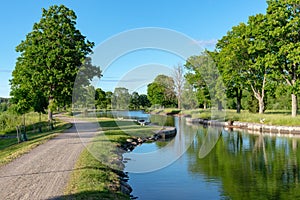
{"x": 207, "y": 43}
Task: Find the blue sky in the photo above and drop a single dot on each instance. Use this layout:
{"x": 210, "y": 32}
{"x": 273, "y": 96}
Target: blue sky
{"x": 203, "y": 20}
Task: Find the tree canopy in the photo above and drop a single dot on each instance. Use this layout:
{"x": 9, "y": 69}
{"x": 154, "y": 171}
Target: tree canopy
{"x": 161, "y": 91}
{"x": 51, "y": 57}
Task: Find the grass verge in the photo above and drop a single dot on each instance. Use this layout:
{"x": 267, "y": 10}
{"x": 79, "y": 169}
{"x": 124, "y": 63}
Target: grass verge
{"x": 10, "y": 149}
{"x": 96, "y": 174}
{"x": 271, "y": 117}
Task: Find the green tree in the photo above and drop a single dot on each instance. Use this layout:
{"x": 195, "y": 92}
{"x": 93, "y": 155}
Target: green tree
{"x": 109, "y": 96}
{"x": 100, "y": 97}
{"x": 232, "y": 58}
{"x": 203, "y": 75}
{"x": 144, "y": 101}
{"x": 39, "y": 104}
{"x": 161, "y": 91}
{"x": 245, "y": 59}
{"x": 179, "y": 80}
{"x": 155, "y": 93}
{"x": 189, "y": 97}
{"x": 259, "y": 64}
{"x": 134, "y": 101}
{"x": 51, "y": 56}
{"x": 283, "y": 22}
{"x": 121, "y": 98}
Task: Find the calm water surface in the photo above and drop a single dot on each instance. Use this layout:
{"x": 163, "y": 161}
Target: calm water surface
{"x": 216, "y": 164}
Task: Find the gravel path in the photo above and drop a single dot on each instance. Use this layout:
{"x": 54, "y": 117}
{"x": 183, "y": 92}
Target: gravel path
{"x": 44, "y": 172}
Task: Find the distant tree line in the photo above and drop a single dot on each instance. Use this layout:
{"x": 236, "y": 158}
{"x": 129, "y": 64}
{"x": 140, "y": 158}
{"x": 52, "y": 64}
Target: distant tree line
{"x": 120, "y": 99}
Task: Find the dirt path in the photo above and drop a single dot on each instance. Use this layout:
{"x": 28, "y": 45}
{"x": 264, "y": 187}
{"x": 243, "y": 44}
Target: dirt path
{"x": 43, "y": 172}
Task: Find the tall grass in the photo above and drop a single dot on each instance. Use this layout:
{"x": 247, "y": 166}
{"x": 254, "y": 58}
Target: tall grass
{"x": 9, "y": 121}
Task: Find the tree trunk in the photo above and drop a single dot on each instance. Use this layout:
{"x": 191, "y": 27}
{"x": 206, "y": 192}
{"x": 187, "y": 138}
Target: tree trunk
{"x": 204, "y": 106}
{"x": 24, "y": 123}
{"x": 294, "y": 105}
{"x": 40, "y": 122}
{"x": 220, "y": 106}
{"x": 261, "y": 105}
{"x": 238, "y": 100}
{"x": 50, "y": 115}
{"x": 179, "y": 103}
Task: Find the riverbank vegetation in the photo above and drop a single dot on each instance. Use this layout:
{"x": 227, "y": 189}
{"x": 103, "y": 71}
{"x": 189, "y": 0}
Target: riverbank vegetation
{"x": 270, "y": 117}
{"x": 95, "y": 179}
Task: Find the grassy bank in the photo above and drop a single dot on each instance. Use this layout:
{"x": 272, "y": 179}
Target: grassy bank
{"x": 10, "y": 149}
{"x": 274, "y": 117}
{"x": 271, "y": 117}
{"x": 98, "y": 168}
{"x": 9, "y": 121}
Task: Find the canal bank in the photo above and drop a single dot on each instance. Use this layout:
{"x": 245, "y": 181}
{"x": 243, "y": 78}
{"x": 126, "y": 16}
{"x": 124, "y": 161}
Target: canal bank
{"x": 238, "y": 166}
{"x": 100, "y": 166}
{"x": 252, "y": 127}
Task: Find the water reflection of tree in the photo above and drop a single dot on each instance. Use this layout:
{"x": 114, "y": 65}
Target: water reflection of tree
{"x": 250, "y": 166}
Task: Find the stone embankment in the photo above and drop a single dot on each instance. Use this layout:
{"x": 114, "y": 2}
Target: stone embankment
{"x": 163, "y": 133}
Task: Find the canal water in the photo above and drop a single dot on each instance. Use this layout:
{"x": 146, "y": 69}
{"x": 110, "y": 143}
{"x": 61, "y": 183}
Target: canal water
{"x": 213, "y": 163}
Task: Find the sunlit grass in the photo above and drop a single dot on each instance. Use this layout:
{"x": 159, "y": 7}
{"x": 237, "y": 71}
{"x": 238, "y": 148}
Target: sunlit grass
{"x": 273, "y": 117}
{"x": 9, "y": 121}
{"x": 96, "y": 176}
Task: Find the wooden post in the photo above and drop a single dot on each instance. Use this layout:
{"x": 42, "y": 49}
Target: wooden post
{"x": 18, "y": 135}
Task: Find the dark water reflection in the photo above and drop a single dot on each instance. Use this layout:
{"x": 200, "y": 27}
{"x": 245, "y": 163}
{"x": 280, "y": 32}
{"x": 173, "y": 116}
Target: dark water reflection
{"x": 239, "y": 166}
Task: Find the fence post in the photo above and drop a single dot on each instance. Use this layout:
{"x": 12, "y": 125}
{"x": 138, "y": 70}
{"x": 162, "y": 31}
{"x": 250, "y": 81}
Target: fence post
{"x": 18, "y": 134}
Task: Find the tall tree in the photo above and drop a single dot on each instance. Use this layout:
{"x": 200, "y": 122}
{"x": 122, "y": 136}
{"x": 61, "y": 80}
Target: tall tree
{"x": 232, "y": 58}
{"x": 189, "y": 97}
{"x": 260, "y": 63}
{"x": 161, "y": 91}
{"x": 144, "y": 101}
{"x": 109, "y": 97}
{"x": 121, "y": 98}
{"x": 283, "y": 22}
{"x": 203, "y": 75}
{"x": 51, "y": 56}
{"x": 134, "y": 101}
{"x": 178, "y": 77}
{"x": 100, "y": 97}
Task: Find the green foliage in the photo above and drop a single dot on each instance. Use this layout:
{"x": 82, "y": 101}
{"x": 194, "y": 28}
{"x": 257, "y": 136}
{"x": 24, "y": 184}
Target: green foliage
{"x": 204, "y": 76}
{"x": 4, "y": 104}
{"x": 10, "y": 119}
{"x": 101, "y": 100}
{"x": 189, "y": 97}
{"x": 134, "y": 101}
{"x": 144, "y": 101}
{"x": 121, "y": 98}
{"x": 50, "y": 59}
{"x": 266, "y": 49}
{"x": 161, "y": 91}
{"x": 3, "y": 107}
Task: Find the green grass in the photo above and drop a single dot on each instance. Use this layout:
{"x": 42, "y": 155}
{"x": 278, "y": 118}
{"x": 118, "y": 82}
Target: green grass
{"x": 9, "y": 121}
{"x": 272, "y": 117}
{"x": 10, "y": 149}
{"x": 96, "y": 174}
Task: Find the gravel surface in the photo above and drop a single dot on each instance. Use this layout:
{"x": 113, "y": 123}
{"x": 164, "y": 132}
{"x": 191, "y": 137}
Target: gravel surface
{"x": 43, "y": 173}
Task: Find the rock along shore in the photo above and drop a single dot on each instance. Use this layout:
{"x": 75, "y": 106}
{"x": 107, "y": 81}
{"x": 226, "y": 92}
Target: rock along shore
{"x": 131, "y": 143}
